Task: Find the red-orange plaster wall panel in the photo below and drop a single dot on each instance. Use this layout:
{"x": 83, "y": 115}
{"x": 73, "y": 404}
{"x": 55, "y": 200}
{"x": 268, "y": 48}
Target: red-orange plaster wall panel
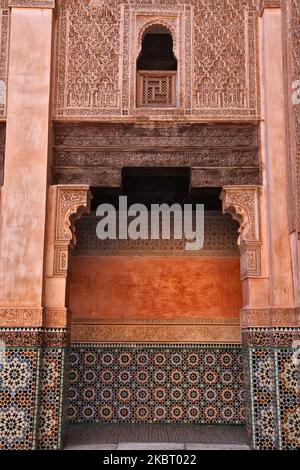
{"x": 146, "y": 287}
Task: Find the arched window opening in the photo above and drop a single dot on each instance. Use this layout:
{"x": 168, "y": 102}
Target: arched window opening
{"x": 157, "y": 69}
{"x": 157, "y": 53}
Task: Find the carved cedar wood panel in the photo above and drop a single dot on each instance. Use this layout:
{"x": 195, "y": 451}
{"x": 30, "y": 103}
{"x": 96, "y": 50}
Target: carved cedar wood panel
{"x": 4, "y": 35}
{"x": 215, "y": 42}
{"x": 94, "y": 154}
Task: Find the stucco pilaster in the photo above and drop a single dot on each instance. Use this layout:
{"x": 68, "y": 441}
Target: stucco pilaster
{"x": 65, "y": 205}
{"x": 22, "y": 217}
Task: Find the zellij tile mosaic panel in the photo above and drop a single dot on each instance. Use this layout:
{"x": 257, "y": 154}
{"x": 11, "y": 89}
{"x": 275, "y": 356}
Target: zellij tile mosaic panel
{"x": 146, "y": 383}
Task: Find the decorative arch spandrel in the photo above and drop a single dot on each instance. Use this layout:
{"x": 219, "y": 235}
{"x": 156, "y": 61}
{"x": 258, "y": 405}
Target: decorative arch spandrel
{"x": 242, "y": 203}
{"x": 71, "y": 203}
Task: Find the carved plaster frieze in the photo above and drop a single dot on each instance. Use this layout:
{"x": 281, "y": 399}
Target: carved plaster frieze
{"x": 55, "y": 317}
{"x": 268, "y": 4}
{"x": 269, "y": 318}
{"x": 31, "y": 3}
{"x": 20, "y": 317}
{"x": 163, "y": 333}
{"x": 61, "y": 257}
{"x": 4, "y": 50}
{"x": 250, "y": 259}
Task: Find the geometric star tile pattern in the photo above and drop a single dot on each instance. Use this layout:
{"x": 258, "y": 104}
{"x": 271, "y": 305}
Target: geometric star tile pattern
{"x": 156, "y": 383}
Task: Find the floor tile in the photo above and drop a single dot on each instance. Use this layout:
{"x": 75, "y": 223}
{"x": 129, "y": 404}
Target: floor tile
{"x": 149, "y": 446}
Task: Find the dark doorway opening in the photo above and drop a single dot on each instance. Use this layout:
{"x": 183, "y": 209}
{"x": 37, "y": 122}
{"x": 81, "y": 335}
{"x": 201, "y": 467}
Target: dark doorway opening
{"x": 157, "y": 186}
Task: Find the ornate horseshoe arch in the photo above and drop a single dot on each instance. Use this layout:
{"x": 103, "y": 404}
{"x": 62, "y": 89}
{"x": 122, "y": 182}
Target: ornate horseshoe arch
{"x": 165, "y": 25}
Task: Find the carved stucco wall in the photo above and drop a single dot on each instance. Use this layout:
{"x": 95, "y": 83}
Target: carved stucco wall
{"x": 296, "y": 75}
{"x": 4, "y": 36}
{"x": 2, "y": 147}
{"x": 291, "y": 36}
{"x": 98, "y": 43}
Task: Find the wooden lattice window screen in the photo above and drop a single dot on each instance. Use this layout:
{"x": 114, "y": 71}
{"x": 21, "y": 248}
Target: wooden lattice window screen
{"x": 156, "y": 89}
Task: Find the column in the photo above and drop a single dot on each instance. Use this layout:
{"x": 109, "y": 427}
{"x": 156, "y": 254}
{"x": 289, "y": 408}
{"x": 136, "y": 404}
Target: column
{"x": 22, "y": 215}
{"x": 66, "y": 203}
{"x": 269, "y": 330}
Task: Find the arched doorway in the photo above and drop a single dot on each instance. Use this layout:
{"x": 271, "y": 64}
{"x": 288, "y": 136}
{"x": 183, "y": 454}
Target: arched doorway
{"x": 156, "y": 331}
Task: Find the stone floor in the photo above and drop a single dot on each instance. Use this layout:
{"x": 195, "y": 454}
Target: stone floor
{"x": 155, "y": 437}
